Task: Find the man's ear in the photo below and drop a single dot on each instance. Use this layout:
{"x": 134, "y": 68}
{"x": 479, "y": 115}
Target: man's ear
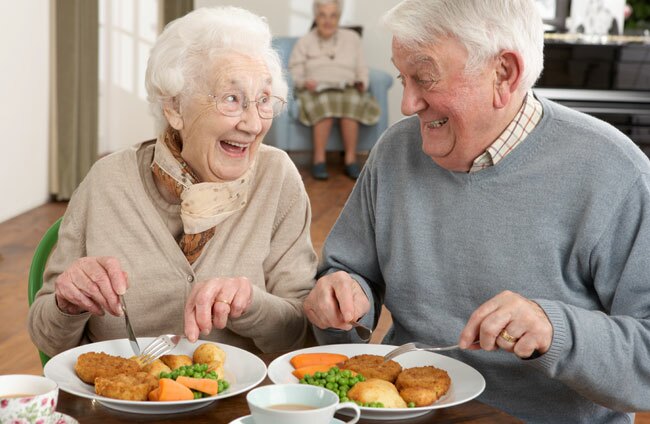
{"x": 171, "y": 109}
{"x": 509, "y": 69}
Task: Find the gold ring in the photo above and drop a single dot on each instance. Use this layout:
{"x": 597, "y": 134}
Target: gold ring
{"x": 223, "y": 301}
{"x": 507, "y": 337}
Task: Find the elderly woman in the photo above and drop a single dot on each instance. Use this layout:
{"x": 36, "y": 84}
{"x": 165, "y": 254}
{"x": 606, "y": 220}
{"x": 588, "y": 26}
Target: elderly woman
{"x": 205, "y": 230}
{"x": 331, "y": 78}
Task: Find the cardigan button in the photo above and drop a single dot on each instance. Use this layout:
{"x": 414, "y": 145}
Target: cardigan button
{"x": 190, "y": 278}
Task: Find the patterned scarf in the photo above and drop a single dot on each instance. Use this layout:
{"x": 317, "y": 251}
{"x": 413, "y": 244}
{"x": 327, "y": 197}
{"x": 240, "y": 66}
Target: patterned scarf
{"x": 203, "y": 205}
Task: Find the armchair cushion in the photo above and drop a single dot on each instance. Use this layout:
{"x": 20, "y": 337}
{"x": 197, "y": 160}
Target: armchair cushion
{"x": 289, "y": 134}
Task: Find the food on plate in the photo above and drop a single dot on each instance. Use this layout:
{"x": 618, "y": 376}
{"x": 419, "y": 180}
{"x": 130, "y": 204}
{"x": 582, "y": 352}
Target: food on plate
{"x": 208, "y": 353}
{"x": 176, "y": 361}
{"x": 373, "y": 366}
{"x": 169, "y": 390}
{"x": 423, "y": 385}
{"x": 376, "y": 390}
{"x": 312, "y": 369}
{"x": 126, "y": 386}
{"x": 385, "y": 384}
{"x": 306, "y": 359}
{"x": 203, "y": 385}
{"x": 122, "y": 378}
{"x": 156, "y": 367}
{"x": 91, "y": 365}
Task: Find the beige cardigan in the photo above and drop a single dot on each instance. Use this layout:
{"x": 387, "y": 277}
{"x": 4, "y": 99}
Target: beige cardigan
{"x": 310, "y": 59}
{"x": 117, "y": 211}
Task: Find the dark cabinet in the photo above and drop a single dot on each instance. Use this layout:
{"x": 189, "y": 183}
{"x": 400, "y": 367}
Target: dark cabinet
{"x": 609, "y": 81}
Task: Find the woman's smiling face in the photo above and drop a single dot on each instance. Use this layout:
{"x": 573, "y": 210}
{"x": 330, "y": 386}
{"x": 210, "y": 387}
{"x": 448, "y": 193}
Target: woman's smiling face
{"x": 219, "y": 147}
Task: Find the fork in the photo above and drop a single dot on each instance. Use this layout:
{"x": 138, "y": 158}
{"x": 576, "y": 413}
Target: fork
{"x": 416, "y": 346}
{"x": 160, "y": 346}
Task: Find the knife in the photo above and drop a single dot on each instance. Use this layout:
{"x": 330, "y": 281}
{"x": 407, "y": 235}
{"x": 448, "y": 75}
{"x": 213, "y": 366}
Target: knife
{"x": 129, "y": 329}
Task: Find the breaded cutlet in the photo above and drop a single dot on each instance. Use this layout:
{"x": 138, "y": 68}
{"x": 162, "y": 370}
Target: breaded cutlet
{"x": 126, "y": 387}
{"x": 91, "y": 365}
{"x": 423, "y": 385}
{"x": 373, "y": 366}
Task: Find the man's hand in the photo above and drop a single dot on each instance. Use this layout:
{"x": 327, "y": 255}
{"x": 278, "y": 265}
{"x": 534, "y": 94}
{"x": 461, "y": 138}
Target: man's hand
{"x": 510, "y": 322}
{"x": 336, "y": 300}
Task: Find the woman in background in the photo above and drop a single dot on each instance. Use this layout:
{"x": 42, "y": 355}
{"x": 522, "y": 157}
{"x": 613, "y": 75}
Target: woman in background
{"x": 331, "y": 79}
{"x": 204, "y": 231}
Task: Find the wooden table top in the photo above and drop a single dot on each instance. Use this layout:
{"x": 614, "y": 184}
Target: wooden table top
{"x": 226, "y": 410}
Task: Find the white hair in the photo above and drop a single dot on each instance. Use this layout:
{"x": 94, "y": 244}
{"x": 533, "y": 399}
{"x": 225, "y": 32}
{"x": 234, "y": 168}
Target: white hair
{"x": 483, "y": 27}
{"x": 180, "y": 59}
{"x": 319, "y": 3}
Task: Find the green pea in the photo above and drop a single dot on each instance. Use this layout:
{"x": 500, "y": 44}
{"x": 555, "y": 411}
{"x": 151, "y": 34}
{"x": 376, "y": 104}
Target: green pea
{"x": 411, "y": 405}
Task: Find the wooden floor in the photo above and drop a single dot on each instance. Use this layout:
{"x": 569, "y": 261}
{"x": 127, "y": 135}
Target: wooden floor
{"x": 20, "y": 235}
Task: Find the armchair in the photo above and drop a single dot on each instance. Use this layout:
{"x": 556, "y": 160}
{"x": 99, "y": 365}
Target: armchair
{"x": 287, "y": 133}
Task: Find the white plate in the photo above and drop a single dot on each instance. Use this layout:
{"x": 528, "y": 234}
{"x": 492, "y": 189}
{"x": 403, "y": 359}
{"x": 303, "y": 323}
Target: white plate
{"x": 242, "y": 370}
{"x": 248, "y": 419}
{"x": 466, "y": 382}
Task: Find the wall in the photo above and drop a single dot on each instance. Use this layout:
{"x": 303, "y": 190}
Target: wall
{"x": 294, "y": 17}
{"x": 24, "y": 27}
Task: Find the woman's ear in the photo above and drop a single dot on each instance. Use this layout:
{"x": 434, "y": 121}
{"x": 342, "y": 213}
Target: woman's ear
{"x": 509, "y": 68}
{"x": 171, "y": 109}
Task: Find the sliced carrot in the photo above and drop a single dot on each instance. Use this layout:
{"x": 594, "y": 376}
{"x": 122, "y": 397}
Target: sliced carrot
{"x": 154, "y": 395}
{"x": 172, "y": 390}
{"x": 203, "y": 385}
{"x": 311, "y": 369}
{"x": 306, "y": 359}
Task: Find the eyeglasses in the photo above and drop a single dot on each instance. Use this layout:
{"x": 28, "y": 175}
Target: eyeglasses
{"x": 234, "y": 104}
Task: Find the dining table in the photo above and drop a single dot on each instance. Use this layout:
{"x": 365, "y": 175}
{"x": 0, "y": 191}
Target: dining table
{"x": 224, "y": 411}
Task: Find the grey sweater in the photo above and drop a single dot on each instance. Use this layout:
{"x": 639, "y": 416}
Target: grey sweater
{"x": 564, "y": 220}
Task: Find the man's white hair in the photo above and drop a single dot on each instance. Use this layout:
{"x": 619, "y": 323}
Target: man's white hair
{"x": 319, "y": 3}
{"x": 484, "y": 27}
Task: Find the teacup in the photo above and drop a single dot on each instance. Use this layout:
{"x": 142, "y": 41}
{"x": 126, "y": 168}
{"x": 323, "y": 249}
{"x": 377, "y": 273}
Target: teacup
{"x": 27, "y": 399}
{"x": 296, "y": 404}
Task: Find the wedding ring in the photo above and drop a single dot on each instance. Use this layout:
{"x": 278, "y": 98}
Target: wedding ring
{"x": 507, "y": 337}
{"x": 223, "y": 301}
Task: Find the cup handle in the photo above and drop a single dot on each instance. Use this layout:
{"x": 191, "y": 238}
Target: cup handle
{"x": 350, "y": 405}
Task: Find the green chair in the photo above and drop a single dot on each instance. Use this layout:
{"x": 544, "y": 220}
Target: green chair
{"x": 37, "y": 268}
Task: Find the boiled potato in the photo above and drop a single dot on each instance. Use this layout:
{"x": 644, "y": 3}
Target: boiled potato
{"x": 156, "y": 367}
{"x": 176, "y": 361}
{"x": 208, "y": 353}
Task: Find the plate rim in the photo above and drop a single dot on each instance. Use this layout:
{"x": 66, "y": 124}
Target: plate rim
{"x": 147, "y": 405}
{"x": 374, "y": 413}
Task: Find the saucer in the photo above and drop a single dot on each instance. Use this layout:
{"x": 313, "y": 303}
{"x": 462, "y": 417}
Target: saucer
{"x": 248, "y": 419}
{"x": 61, "y": 418}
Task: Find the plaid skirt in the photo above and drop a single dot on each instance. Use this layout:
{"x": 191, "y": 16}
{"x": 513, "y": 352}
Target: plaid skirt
{"x": 347, "y": 103}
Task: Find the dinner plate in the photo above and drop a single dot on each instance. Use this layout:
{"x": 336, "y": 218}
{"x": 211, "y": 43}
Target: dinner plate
{"x": 248, "y": 419}
{"x": 466, "y": 382}
{"x": 242, "y": 370}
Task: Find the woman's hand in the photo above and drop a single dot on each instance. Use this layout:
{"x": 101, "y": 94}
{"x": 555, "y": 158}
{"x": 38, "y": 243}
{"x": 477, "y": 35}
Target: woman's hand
{"x": 213, "y": 301}
{"x": 91, "y": 284}
{"x": 510, "y": 322}
{"x": 335, "y": 301}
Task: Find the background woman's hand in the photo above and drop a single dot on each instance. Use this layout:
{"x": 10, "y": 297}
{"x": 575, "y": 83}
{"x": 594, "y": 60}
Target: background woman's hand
{"x": 213, "y": 301}
{"x": 91, "y": 284}
{"x": 311, "y": 85}
{"x": 527, "y": 328}
{"x": 336, "y": 300}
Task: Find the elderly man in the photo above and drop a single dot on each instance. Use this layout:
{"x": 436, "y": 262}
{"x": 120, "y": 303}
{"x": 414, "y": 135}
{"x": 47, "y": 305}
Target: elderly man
{"x": 498, "y": 216}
